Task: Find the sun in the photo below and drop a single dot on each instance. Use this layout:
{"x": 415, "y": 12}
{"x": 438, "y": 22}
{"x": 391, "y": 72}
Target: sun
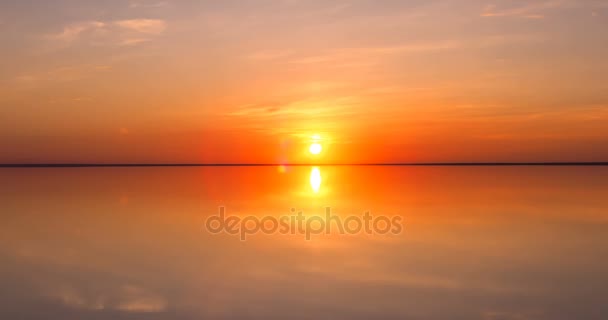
{"x": 315, "y": 148}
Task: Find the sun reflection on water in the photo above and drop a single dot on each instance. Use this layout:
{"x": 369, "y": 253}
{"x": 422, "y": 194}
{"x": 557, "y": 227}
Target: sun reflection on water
{"x": 315, "y": 179}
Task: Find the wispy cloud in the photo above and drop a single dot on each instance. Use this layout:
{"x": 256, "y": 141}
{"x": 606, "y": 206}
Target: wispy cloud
{"x": 144, "y": 4}
{"x": 136, "y": 299}
{"x": 372, "y": 55}
{"x": 534, "y": 10}
{"x": 349, "y": 55}
{"x": 127, "y": 298}
{"x": 316, "y": 107}
{"x": 147, "y": 26}
{"x": 73, "y": 31}
{"x": 60, "y": 74}
{"x": 119, "y": 32}
{"x": 269, "y": 54}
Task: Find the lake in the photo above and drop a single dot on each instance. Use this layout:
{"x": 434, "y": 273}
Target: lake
{"x": 471, "y": 243}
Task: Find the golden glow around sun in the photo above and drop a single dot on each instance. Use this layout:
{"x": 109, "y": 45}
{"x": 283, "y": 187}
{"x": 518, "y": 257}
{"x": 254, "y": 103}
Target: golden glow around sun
{"x": 315, "y": 148}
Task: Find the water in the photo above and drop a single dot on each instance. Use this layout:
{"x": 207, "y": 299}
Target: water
{"x": 476, "y": 243}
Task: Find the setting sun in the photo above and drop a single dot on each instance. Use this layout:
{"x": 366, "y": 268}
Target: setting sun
{"x": 315, "y": 148}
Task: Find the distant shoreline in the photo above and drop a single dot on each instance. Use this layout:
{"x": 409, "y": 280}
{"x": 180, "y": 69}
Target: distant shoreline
{"x": 411, "y": 164}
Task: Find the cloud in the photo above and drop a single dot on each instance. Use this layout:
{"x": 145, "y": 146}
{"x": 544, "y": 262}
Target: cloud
{"x": 74, "y": 31}
{"x": 304, "y": 107}
{"x": 350, "y": 55}
{"x": 537, "y": 9}
{"x": 534, "y": 10}
{"x": 411, "y": 48}
{"x": 127, "y": 298}
{"x": 60, "y": 74}
{"x": 119, "y": 32}
{"x": 372, "y": 55}
{"x": 147, "y": 26}
{"x": 269, "y": 54}
{"x": 136, "y": 299}
{"x": 143, "y": 4}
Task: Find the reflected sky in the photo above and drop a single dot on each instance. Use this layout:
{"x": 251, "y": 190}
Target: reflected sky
{"x": 478, "y": 243}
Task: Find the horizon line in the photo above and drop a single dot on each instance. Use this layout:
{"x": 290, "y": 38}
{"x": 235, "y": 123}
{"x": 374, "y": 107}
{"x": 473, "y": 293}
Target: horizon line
{"x": 453, "y": 164}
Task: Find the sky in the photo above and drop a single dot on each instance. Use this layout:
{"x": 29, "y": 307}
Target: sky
{"x": 253, "y": 81}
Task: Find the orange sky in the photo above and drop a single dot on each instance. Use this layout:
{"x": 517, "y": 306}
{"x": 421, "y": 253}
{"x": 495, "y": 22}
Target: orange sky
{"x": 253, "y": 81}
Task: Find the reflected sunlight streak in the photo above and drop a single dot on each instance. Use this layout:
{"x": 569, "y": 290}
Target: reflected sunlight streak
{"x": 315, "y": 179}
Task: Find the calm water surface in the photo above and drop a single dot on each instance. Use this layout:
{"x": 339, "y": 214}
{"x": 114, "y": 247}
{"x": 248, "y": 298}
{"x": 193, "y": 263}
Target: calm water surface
{"x": 477, "y": 243}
